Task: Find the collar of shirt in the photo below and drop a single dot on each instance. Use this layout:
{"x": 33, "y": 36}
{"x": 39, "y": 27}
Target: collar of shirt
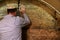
{"x": 8, "y": 16}
{"x": 11, "y": 15}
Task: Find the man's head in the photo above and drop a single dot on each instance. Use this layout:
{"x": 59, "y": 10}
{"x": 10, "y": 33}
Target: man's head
{"x": 12, "y": 11}
{"x": 12, "y": 8}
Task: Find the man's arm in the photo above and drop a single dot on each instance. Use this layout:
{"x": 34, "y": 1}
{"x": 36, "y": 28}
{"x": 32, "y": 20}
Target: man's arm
{"x": 26, "y": 20}
{"x": 19, "y": 21}
{"x": 22, "y": 20}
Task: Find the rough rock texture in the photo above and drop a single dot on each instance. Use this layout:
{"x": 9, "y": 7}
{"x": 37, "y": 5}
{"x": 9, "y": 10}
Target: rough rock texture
{"x": 39, "y": 17}
{"x": 42, "y": 34}
{"x": 42, "y": 22}
{"x": 42, "y": 18}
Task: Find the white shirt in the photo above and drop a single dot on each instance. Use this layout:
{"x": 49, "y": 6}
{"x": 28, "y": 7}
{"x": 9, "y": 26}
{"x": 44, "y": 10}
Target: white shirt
{"x": 9, "y": 22}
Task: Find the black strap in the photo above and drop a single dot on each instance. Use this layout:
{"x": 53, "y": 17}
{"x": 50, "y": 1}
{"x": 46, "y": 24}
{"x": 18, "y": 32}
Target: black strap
{"x": 18, "y": 3}
{"x": 18, "y": 13}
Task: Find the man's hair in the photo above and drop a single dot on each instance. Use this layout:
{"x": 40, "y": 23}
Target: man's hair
{"x": 11, "y": 10}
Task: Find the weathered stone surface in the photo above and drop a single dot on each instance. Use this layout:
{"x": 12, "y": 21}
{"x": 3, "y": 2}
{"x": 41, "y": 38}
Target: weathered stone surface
{"x": 42, "y": 20}
{"x": 39, "y": 17}
{"x": 42, "y": 34}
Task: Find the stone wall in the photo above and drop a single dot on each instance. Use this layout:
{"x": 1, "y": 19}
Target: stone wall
{"x": 43, "y": 23}
{"x": 42, "y": 19}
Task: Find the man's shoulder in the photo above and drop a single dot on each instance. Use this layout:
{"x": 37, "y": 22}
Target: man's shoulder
{"x": 8, "y": 16}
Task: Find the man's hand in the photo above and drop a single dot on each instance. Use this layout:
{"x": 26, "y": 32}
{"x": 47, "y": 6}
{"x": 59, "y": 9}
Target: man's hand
{"x": 22, "y": 9}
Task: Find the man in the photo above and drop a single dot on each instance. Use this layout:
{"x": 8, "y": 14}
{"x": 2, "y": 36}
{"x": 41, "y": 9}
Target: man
{"x": 10, "y": 25}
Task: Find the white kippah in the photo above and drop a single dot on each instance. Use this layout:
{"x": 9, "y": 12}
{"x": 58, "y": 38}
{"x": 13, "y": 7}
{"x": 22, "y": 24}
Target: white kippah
{"x": 12, "y": 5}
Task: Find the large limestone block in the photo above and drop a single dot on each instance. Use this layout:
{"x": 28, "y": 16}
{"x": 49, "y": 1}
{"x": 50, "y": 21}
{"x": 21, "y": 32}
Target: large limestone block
{"x": 39, "y": 17}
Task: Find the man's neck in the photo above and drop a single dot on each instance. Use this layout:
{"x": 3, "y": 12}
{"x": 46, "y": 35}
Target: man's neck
{"x": 11, "y": 15}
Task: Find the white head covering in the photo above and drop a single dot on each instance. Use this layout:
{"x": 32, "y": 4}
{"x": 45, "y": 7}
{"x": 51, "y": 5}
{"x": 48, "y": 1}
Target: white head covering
{"x": 12, "y": 5}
